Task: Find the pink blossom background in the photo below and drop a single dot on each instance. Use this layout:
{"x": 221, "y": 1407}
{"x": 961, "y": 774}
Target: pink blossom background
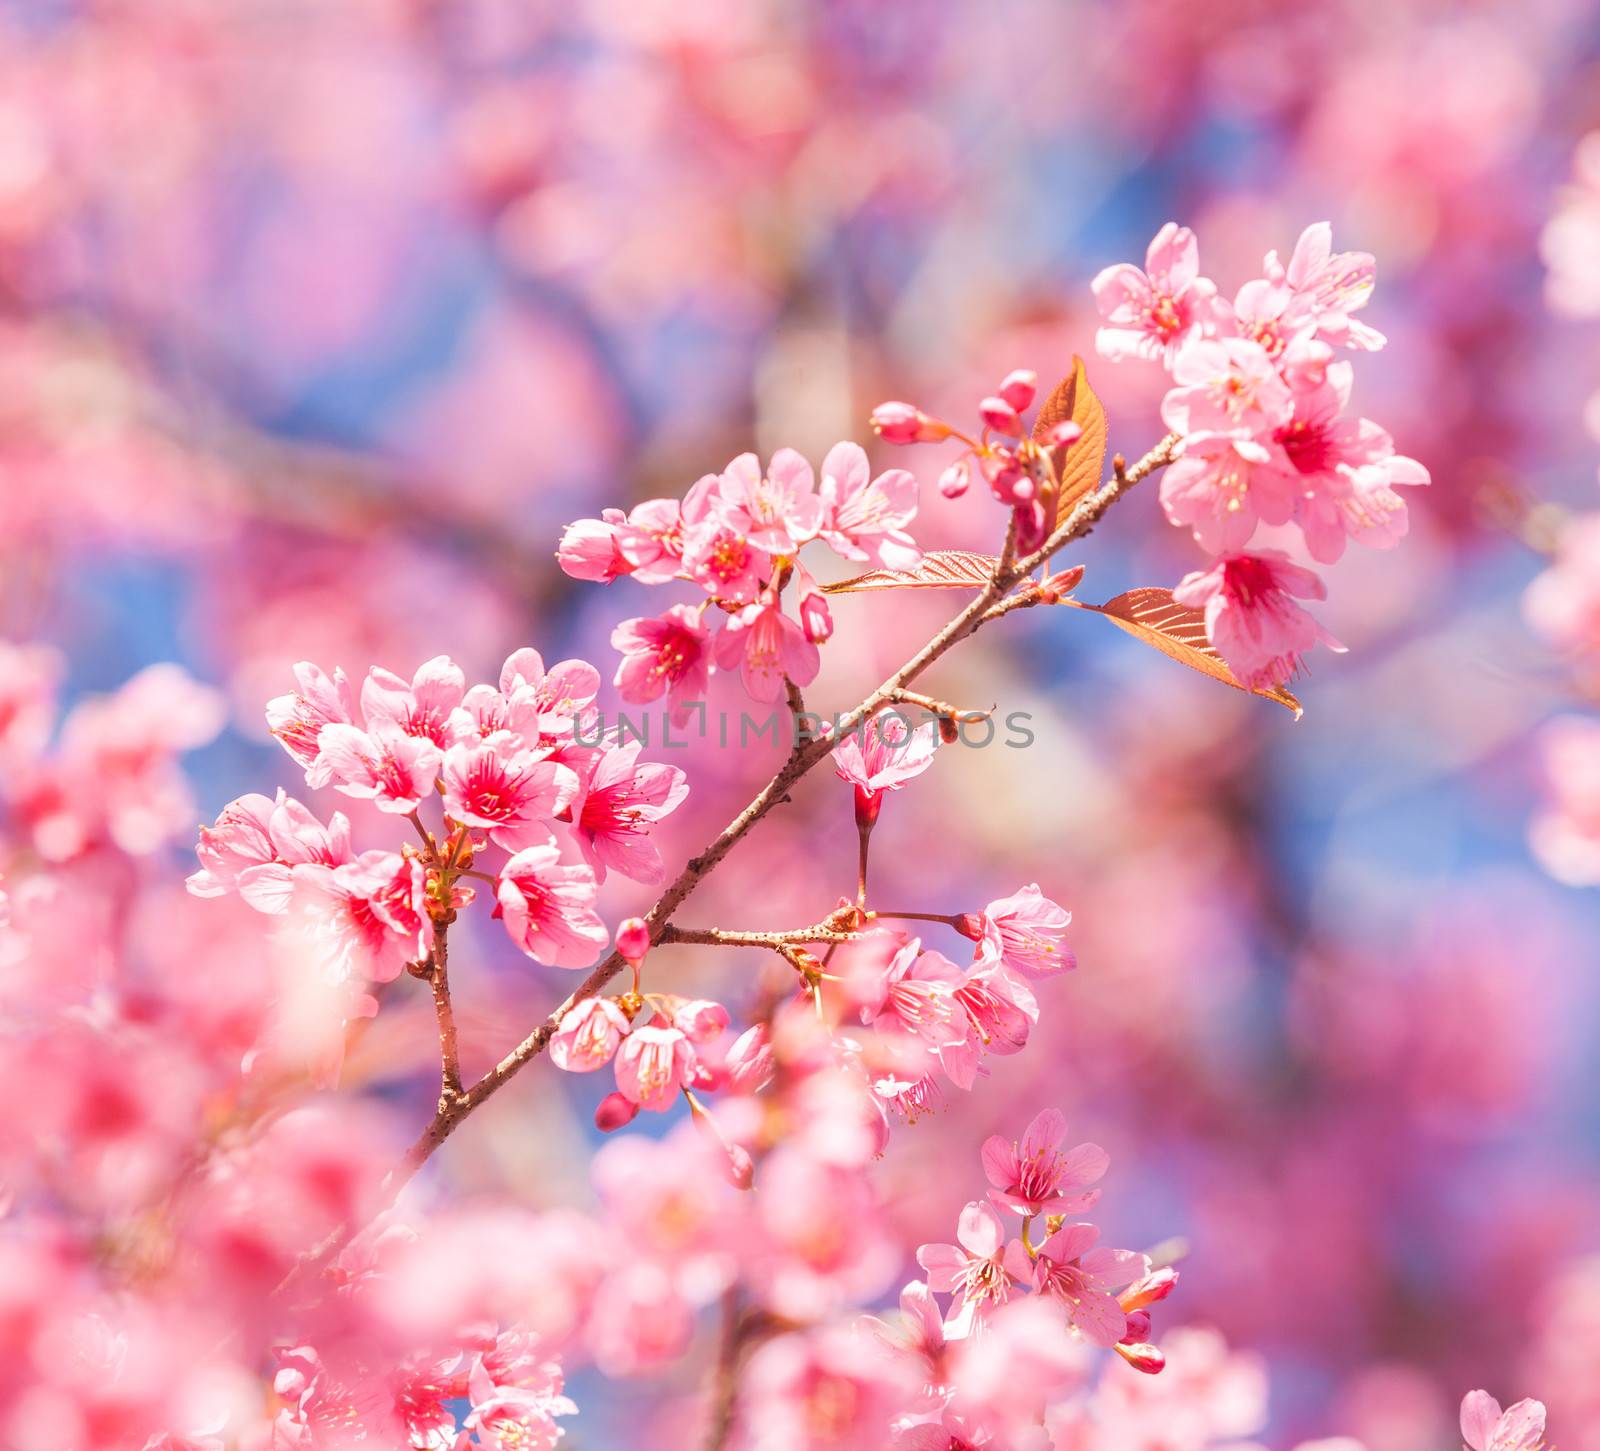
{"x": 318, "y": 323}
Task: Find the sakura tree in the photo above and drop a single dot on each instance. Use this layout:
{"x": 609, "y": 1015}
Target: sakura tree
{"x": 212, "y": 1244}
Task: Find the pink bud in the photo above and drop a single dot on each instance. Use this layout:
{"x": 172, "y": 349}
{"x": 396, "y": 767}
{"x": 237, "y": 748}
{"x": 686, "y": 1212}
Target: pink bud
{"x": 954, "y": 480}
{"x": 1064, "y": 433}
{"x": 633, "y": 940}
{"x": 901, "y": 423}
{"x": 750, "y": 1062}
{"x": 1019, "y": 387}
{"x": 1001, "y": 417}
{"x": 970, "y": 924}
{"x": 701, "y": 1019}
{"x": 1138, "y": 1328}
{"x": 868, "y": 805}
{"x": 1143, "y": 1357}
{"x": 614, "y": 1112}
{"x": 815, "y": 618}
{"x": 1157, "y": 1285}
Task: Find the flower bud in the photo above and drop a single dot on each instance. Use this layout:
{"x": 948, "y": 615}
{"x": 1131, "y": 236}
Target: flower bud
{"x": 1138, "y": 1328}
{"x": 815, "y": 617}
{"x": 1157, "y": 1285}
{"x": 971, "y": 924}
{"x": 1064, "y": 433}
{"x": 868, "y": 805}
{"x": 615, "y": 1112}
{"x": 901, "y": 423}
{"x": 633, "y": 940}
{"x": 1001, "y": 416}
{"x": 701, "y": 1019}
{"x": 954, "y": 480}
{"x": 1143, "y": 1357}
{"x": 1019, "y": 387}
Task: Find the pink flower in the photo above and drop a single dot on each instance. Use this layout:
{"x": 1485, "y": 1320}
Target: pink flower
{"x": 1485, "y": 1427}
{"x": 1225, "y": 386}
{"x": 725, "y": 564}
{"x": 866, "y": 518}
{"x": 776, "y": 511}
{"x": 1001, "y": 1009}
{"x": 255, "y": 845}
{"x": 1563, "y": 603}
{"x": 588, "y": 1035}
{"x": 543, "y": 707}
{"x": 1251, "y": 616}
{"x": 830, "y": 1389}
{"x": 297, "y": 720}
{"x": 363, "y": 919}
{"x": 768, "y": 647}
{"x": 513, "y": 792}
{"x": 1154, "y": 312}
{"x": 514, "y": 1417}
{"x": 1341, "y": 472}
{"x": 395, "y": 772}
{"x": 653, "y": 1063}
{"x": 979, "y": 1270}
{"x": 1083, "y": 1278}
{"x": 884, "y": 752}
{"x": 590, "y": 550}
{"x": 420, "y": 709}
{"x": 548, "y": 908}
{"x": 669, "y": 653}
{"x": 1034, "y": 1176}
{"x": 1025, "y": 933}
{"x": 1223, "y": 487}
{"x": 1327, "y": 286}
{"x": 652, "y": 540}
{"x": 621, "y": 801}
{"x": 915, "y": 996}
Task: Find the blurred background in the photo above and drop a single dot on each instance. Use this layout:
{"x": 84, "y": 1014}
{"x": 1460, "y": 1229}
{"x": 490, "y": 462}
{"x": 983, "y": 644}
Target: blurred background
{"x": 317, "y": 322}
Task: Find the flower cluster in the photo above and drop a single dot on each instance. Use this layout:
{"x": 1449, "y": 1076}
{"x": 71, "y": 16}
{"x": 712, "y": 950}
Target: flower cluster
{"x": 1103, "y": 1293}
{"x": 738, "y": 535}
{"x": 1259, "y": 403}
{"x": 1020, "y": 470}
{"x": 514, "y": 772}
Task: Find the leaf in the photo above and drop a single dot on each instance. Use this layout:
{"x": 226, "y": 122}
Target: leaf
{"x": 943, "y": 569}
{"x": 1079, "y": 465}
{"x": 1152, "y": 615}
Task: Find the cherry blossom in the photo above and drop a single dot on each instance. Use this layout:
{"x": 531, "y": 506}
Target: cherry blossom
{"x": 422, "y": 708}
{"x": 653, "y": 1064}
{"x": 980, "y": 1269}
{"x": 777, "y": 510}
{"x": 1252, "y": 617}
{"x": 591, "y": 550}
{"x": 1485, "y": 1427}
{"x": 500, "y": 784}
{"x": 1082, "y": 1278}
{"x": 1025, "y": 933}
{"x": 865, "y": 518}
{"x": 622, "y": 799}
{"x": 669, "y": 655}
{"x": 394, "y": 771}
{"x": 1034, "y": 1176}
{"x": 1153, "y": 312}
{"x": 297, "y": 720}
{"x": 548, "y": 907}
{"x": 768, "y": 648}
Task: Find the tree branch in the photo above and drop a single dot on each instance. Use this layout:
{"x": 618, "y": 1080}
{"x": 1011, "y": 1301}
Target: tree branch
{"x": 1010, "y": 572}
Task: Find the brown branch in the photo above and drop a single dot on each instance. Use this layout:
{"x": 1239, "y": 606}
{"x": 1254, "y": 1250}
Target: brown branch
{"x": 720, "y": 937}
{"x": 1010, "y": 572}
{"x": 439, "y": 981}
